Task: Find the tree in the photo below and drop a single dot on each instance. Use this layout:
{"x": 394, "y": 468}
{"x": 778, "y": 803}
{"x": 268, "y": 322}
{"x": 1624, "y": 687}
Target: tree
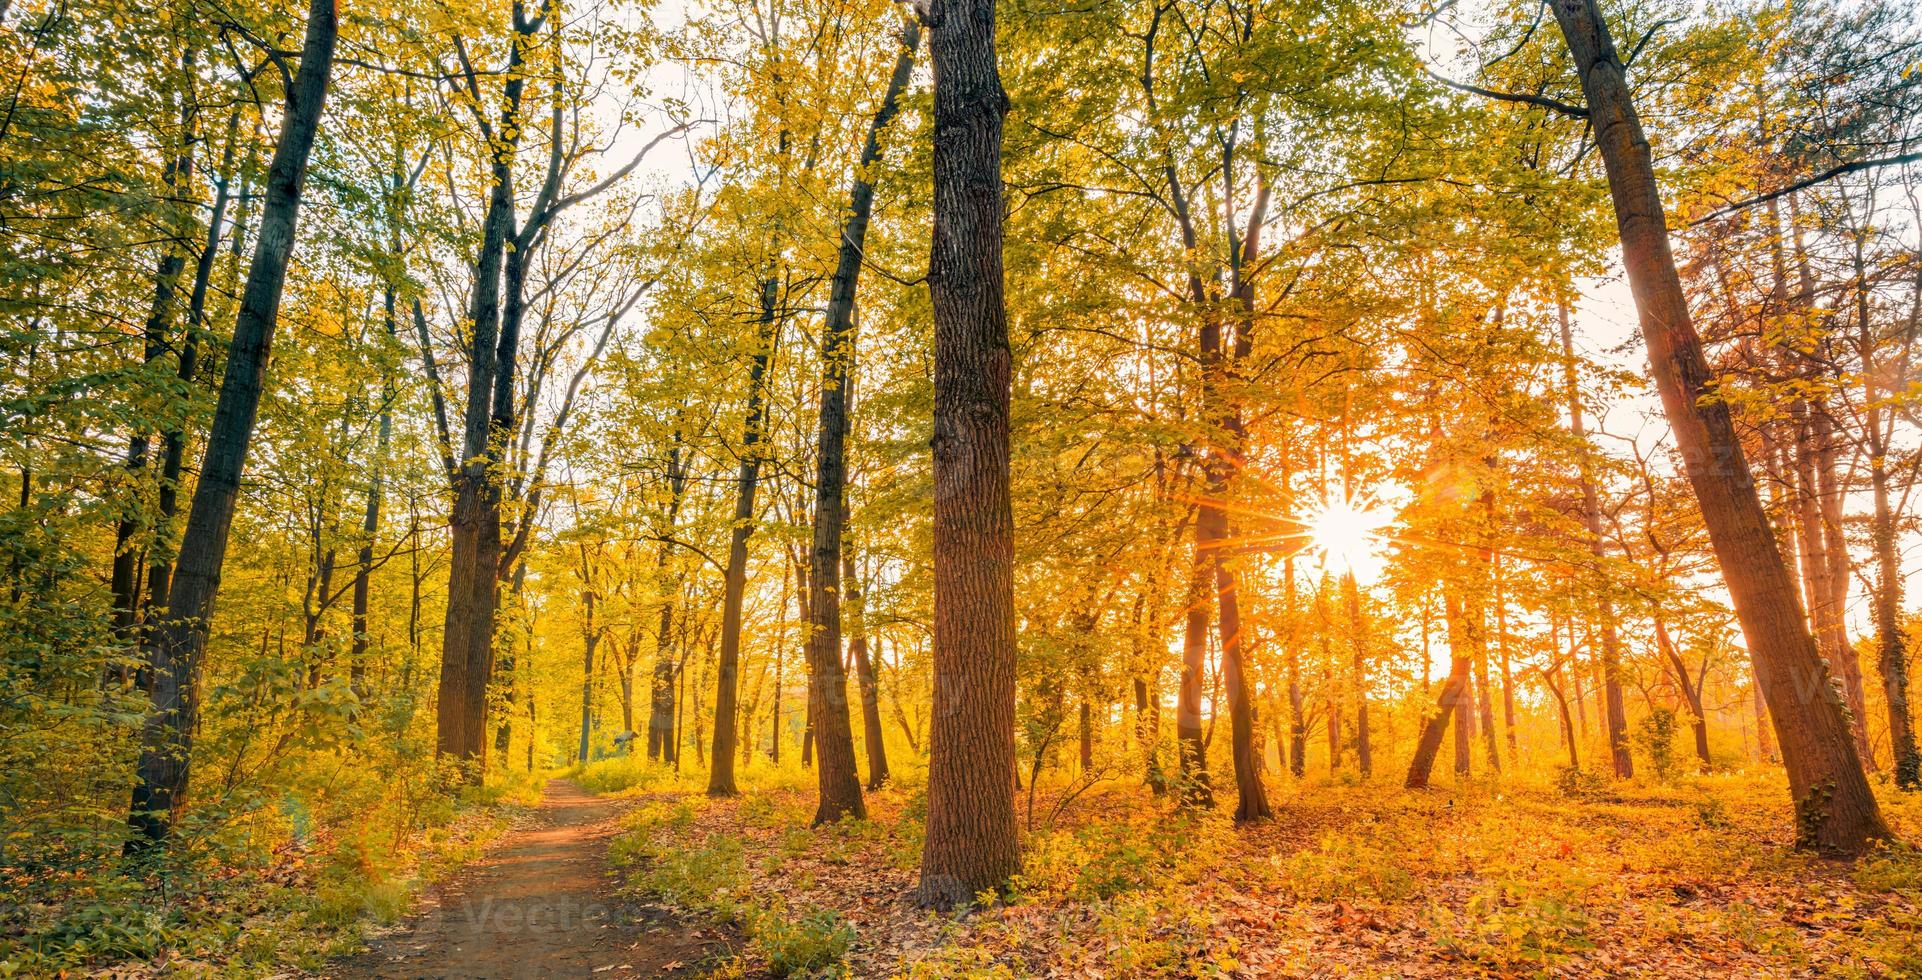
{"x": 1835, "y": 809}
{"x": 971, "y": 844}
{"x": 176, "y": 645}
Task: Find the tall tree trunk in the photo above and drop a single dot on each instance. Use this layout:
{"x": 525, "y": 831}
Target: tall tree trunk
{"x": 504, "y": 732}
{"x": 971, "y": 839}
{"x": 487, "y": 427}
{"x": 1611, "y": 653}
{"x": 370, "y": 518}
{"x": 1508, "y": 677}
{"x": 661, "y": 742}
{"x": 1358, "y": 655}
{"x": 1297, "y": 718}
{"x": 174, "y": 439}
{"x": 589, "y": 641}
{"x": 174, "y": 177}
{"x": 1891, "y": 643}
{"x": 175, "y": 648}
{"x": 720, "y": 778}
{"x": 1485, "y": 701}
{"x": 840, "y": 786}
{"x": 1835, "y": 809}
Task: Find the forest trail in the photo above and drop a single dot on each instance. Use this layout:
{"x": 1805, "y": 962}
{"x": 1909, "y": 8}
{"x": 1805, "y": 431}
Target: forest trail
{"x": 541, "y": 903}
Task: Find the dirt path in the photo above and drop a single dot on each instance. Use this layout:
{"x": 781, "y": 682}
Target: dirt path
{"x": 540, "y": 904}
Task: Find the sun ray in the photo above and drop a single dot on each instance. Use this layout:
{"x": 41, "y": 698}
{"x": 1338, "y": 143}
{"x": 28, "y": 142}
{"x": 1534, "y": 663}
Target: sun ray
{"x": 1347, "y": 535}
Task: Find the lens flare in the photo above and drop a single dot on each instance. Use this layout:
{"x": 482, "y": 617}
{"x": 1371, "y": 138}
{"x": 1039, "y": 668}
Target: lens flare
{"x": 1347, "y": 536}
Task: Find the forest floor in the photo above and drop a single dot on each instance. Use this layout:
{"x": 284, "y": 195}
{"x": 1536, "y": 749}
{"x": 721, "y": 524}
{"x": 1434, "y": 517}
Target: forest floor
{"x": 540, "y": 903}
{"x": 1518, "y": 877}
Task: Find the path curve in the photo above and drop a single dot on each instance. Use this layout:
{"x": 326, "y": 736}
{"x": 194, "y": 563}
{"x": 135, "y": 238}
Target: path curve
{"x": 541, "y": 903}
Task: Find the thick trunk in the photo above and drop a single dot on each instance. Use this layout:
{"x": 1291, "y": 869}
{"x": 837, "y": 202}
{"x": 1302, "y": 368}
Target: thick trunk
{"x": 971, "y": 840}
{"x": 720, "y": 779}
{"x": 175, "y": 647}
{"x": 467, "y": 652}
{"x": 1835, "y": 808}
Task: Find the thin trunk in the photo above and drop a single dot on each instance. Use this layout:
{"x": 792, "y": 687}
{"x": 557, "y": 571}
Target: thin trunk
{"x": 167, "y": 500}
{"x": 1358, "y": 648}
{"x": 720, "y": 780}
{"x": 1691, "y": 692}
{"x": 1190, "y": 745}
{"x": 590, "y": 639}
{"x": 661, "y": 742}
{"x": 370, "y": 518}
{"x": 1453, "y": 700}
{"x": 1490, "y": 741}
{"x": 871, "y": 731}
{"x": 1611, "y": 652}
{"x": 175, "y": 177}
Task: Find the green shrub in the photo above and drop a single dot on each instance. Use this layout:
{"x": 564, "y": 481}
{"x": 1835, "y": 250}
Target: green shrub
{"x": 809, "y": 944}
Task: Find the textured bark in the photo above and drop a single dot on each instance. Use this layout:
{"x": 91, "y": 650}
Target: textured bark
{"x": 474, "y": 525}
{"x": 1835, "y": 809}
{"x": 971, "y": 840}
{"x": 720, "y": 778}
{"x": 176, "y": 646}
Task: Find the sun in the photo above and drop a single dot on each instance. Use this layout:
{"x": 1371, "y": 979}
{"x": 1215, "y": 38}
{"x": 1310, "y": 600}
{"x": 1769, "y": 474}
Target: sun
{"x": 1347, "y": 536}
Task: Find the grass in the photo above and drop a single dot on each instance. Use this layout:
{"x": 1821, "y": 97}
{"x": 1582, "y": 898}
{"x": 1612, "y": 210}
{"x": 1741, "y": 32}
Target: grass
{"x": 1528, "y": 875}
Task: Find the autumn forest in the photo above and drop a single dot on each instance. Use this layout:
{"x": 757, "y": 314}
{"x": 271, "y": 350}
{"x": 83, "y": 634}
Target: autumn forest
{"x": 1129, "y": 488}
